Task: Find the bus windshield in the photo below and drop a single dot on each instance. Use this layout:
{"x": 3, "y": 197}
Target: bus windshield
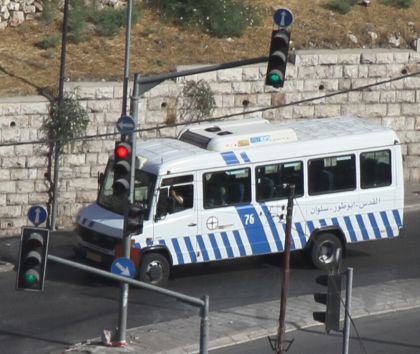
{"x": 144, "y": 185}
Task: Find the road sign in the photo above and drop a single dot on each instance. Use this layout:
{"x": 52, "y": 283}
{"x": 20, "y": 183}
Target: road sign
{"x": 283, "y": 17}
{"x": 124, "y": 267}
{"x": 37, "y": 214}
{"x": 126, "y": 125}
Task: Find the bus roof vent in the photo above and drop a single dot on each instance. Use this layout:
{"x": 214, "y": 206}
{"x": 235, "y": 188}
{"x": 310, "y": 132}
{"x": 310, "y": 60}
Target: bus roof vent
{"x": 224, "y": 133}
{"x": 213, "y": 129}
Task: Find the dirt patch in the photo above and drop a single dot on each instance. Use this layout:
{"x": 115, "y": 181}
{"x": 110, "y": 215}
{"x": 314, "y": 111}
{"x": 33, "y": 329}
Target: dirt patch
{"x": 159, "y": 46}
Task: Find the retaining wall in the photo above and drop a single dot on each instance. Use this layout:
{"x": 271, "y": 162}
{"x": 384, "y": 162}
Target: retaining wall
{"x": 240, "y": 90}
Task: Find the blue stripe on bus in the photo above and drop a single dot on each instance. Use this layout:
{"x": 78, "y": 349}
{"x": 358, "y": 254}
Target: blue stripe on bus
{"x": 397, "y": 218}
{"x": 322, "y": 222}
{"x": 387, "y": 224}
{"x": 226, "y": 242}
{"x": 178, "y": 251}
{"x": 230, "y": 157}
{"x": 215, "y": 246}
{"x": 245, "y": 157}
{"x": 255, "y": 231}
{"x": 350, "y": 229}
{"x": 202, "y": 248}
{"x": 362, "y": 227}
{"x": 311, "y": 226}
{"x": 239, "y": 243}
{"x": 273, "y": 227}
{"x": 190, "y": 249}
{"x": 335, "y": 221}
{"x": 301, "y": 233}
{"x": 374, "y": 225}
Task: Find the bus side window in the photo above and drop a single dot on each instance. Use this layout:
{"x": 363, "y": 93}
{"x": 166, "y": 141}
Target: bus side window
{"x": 375, "y": 169}
{"x": 272, "y": 180}
{"x": 223, "y": 188}
{"x": 332, "y": 174}
{"x": 176, "y": 194}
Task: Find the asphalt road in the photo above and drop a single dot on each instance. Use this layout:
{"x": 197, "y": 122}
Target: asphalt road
{"x": 385, "y": 334}
{"x": 76, "y": 306}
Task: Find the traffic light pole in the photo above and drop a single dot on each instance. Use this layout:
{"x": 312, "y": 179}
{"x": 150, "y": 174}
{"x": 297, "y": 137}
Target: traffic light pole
{"x": 121, "y": 339}
{"x": 346, "y": 330}
{"x": 286, "y": 271}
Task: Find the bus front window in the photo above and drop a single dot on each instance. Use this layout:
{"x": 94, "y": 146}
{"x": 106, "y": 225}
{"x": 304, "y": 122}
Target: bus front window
{"x": 144, "y": 185}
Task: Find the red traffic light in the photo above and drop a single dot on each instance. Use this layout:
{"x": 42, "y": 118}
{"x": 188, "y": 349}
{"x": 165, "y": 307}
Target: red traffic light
{"x": 122, "y": 150}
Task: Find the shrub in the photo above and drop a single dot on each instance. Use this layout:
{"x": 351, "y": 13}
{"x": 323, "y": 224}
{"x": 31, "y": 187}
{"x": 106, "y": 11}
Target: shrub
{"x": 50, "y": 11}
{"x": 109, "y": 21}
{"x": 399, "y": 3}
{"x": 197, "y": 101}
{"x": 341, "y": 6}
{"x": 50, "y": 41}
{"x": 77, "y": 25}
{"x": 220, "y": 18}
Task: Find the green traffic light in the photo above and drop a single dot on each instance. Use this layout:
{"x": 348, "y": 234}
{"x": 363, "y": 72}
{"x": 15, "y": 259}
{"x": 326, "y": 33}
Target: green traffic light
{"x": 31, "y": 277}
{"x": 275, "y": 78}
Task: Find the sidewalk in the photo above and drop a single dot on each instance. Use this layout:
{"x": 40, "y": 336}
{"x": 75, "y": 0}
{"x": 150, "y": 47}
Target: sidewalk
{"x": 246, "y": 323}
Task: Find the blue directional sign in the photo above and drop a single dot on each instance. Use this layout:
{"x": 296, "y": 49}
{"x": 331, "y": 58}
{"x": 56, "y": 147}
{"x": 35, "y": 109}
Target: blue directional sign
{"x": 124, "y": 267}
{"x": 283, "y": 17}
{"x": 37, "y": 214}
{"x": 126, "y": 125}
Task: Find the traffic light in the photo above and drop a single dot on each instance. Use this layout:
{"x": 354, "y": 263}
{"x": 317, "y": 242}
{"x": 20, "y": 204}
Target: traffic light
{"x": 332, "y": 300}
{"x": 134, "y": 224}
{"x": 32, "y": 259}
{"x": 277, "y": 60}
{"x": 122, "y": 167}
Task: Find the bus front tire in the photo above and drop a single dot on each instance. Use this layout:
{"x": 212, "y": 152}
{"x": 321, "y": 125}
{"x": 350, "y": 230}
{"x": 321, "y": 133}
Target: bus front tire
{"x": 154, "y": 269}
{"x": 324, "y": 249}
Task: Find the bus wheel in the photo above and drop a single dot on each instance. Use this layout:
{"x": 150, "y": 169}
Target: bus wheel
{"x": 323, "y": 250}
{"x": 154, "y": 269}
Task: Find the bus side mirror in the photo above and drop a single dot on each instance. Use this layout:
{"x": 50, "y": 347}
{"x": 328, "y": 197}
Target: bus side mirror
{"x": 100, "y": 178}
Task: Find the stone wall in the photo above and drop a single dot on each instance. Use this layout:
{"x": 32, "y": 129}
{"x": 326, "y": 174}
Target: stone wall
{"x": 237, "y": 91}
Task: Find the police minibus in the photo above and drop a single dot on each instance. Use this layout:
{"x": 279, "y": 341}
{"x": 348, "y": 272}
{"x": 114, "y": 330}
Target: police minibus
{"x": 219, "y": 191}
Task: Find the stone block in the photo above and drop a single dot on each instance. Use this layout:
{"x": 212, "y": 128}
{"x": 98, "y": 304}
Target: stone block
{"x": 394, "y": 109}
{"x": 25, "y": 186}
{"x": 411, "y": 109}
{"x": 229, "y": 75}
{"x": 251, "y": 73}
{"x": 16, "y": 199}
{"x": 10, "y": 211}
{"x": 327, "y": 110}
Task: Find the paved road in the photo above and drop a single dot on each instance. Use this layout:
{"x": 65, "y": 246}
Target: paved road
{"x": 76, "y": 306}
{"x": 391, "y": 333}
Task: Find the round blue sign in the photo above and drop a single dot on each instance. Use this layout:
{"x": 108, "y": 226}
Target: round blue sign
{"x": 283, "y": 17}
{"x": 126, "y": 125}
{"x": 124, "y": 267}
{"x": 37, "y": 214}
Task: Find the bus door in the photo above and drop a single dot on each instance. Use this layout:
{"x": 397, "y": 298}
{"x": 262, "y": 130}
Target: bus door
{"x": 271, "y": 194}
{"x": 226, "y": 214}
{"x": 175, "y": 221}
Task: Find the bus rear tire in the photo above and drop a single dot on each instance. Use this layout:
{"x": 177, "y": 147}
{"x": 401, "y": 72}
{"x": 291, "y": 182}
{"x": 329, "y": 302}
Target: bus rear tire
{"x": 154, "y": 269}
{"x": 324, "y": 249}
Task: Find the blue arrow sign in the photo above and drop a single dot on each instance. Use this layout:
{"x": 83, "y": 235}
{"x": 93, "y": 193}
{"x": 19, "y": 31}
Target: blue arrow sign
{"x": 37, "y": 214}
{"x": 124, "y": 267}
{"x": 283, "y": 17}
{"x": 126, "y": 125}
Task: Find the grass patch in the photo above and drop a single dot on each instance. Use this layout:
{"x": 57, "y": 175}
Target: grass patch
{"x": 48, "y": 42}
{"x": 399, "y": 3}
{"x": 341, "y": 6}
{"x": 219, "y": 18}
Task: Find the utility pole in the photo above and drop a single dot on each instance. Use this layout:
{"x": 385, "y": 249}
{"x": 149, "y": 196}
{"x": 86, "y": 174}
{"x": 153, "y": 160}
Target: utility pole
{"x": 286, "y": 271}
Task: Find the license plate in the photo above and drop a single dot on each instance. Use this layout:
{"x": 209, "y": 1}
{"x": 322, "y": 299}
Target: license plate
{"x": 93, "y": 256}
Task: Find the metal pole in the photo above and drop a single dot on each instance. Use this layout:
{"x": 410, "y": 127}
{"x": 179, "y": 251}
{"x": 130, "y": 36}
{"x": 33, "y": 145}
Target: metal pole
{"x": 127, "y": 56}
{"x": 204, "y": 325}
{"x": 286, "y": 271}
{"x": 57, "y": 146}
{"x": 346, "y": 330}
{"x": 124, "y": 287}
{"x": 179, "y": 296}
